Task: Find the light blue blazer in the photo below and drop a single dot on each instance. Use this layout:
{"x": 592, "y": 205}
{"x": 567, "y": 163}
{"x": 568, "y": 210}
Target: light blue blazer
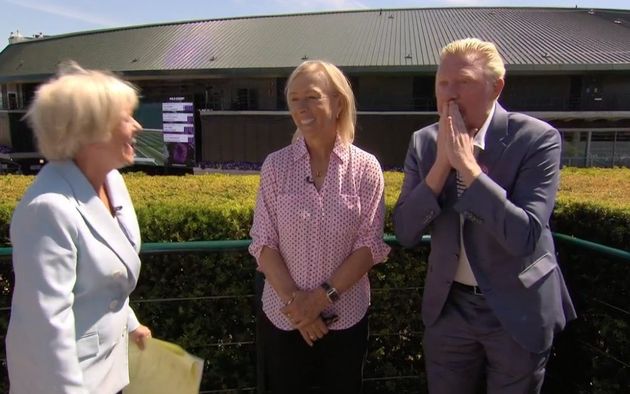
{"x": 75, "y": 266}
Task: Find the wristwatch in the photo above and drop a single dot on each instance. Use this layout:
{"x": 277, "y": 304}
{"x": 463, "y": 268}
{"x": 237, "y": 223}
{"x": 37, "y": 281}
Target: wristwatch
{"x": 331, "y": 292}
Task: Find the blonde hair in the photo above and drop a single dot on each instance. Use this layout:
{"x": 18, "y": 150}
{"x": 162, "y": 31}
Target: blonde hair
{"x": 479, "y": 50}
{"x": 341, "y": 87}
{"x": 77, "y": 107}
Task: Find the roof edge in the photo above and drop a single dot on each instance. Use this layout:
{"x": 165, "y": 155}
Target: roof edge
{"x": 158, "y": 24}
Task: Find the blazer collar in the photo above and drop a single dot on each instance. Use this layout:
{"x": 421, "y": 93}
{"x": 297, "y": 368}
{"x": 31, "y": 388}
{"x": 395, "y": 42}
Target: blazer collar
{"x": 496, "y": 139}
{"x": 98, "y": 218}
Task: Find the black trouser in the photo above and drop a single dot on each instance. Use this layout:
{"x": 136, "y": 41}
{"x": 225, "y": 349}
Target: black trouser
{"x": 334, "y": 363}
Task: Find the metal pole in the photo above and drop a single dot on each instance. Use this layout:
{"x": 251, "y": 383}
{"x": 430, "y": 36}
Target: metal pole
{"x": 587, "y": 154}
{"x": 614, "y": 148}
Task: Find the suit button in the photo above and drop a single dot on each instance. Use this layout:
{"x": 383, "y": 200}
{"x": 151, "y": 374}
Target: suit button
{"x": 113, "y": 305}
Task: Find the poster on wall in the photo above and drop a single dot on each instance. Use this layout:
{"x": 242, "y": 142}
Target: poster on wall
{"x": 178, "y": 128}
{"x": 150, "y": 147}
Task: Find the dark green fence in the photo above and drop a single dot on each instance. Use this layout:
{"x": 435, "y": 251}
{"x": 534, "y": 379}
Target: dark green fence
{"x": 202, "y": 295}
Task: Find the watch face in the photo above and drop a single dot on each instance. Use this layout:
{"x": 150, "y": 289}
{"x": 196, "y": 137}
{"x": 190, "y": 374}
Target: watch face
{"x": 332, "y": 294}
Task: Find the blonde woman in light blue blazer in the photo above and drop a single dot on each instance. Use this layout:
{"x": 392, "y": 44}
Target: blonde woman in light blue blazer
{"x": 75, "y": 241}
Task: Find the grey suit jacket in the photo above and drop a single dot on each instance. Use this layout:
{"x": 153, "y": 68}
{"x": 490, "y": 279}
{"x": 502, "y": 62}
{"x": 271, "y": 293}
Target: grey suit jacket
{"x": 506, "y": 228}
{"x": 75, "y": 266}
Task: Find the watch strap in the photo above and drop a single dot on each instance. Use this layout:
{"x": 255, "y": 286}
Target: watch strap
{"x": 331, "y": 292}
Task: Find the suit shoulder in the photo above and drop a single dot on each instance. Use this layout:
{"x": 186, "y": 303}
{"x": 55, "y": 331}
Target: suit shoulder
{"x": 425, "y": 138}
{"x": 43, "y": 211}
{"x": 41, "y": 200}
{"x": 47, "y": 188}
{"x": 427, "y": 132}
{"x": 528, "y": 129}
{"x": 523, "y": 120}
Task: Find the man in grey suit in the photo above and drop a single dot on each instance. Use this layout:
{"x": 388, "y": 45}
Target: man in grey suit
{"x": 484, "y": 182}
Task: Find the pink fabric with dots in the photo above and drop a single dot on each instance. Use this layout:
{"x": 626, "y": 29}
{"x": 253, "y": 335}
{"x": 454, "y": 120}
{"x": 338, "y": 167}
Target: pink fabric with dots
{"x": 316, "y": 231}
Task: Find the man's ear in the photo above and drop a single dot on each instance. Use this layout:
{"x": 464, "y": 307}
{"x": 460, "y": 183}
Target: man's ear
{"x": 498, "y": 87}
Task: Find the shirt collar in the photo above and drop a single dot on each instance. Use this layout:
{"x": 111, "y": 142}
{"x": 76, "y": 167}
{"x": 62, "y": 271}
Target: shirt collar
{"x": 480, "y": 138}
{"x": 340, "y": 149}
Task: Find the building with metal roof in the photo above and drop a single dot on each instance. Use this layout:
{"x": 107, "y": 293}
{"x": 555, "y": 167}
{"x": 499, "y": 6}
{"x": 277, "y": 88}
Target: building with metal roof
{"x": 569, "y": 66}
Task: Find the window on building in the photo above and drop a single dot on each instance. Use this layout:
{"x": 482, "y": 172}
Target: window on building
{"x": 246, "y": 99}
{"x": 12, "y": 100}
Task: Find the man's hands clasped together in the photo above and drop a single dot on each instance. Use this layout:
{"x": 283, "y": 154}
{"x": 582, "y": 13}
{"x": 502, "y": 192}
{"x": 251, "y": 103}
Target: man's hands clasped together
{"x": 455, "y": 147}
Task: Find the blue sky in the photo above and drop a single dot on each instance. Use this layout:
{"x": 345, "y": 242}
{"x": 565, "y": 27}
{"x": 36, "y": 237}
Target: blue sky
{"x": 53, "y": 17}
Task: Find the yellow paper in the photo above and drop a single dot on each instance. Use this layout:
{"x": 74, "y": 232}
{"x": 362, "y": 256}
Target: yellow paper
{"x": 162, "y": 368}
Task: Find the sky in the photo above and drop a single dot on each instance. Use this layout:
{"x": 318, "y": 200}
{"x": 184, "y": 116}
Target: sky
{"x": 53, "y": 17}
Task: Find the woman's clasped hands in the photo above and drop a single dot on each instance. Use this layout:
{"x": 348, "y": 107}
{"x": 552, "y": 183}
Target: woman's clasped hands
{"x": 304, "y": 310}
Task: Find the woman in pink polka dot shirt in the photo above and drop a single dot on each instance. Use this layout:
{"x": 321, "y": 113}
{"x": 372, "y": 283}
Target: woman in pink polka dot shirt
{"x": 318, "y": 229}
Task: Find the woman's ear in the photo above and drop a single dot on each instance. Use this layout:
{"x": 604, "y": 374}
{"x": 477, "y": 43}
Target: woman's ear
{"x": 339, "y": 105}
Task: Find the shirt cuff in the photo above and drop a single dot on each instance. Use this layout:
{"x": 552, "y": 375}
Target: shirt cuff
{"x": 378, "y": 248}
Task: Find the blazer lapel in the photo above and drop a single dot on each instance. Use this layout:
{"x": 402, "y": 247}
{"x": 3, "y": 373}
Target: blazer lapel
{"x": 124, "y": 211}
{"x": 99, "y": 219}
{"x": 496, "y": 140}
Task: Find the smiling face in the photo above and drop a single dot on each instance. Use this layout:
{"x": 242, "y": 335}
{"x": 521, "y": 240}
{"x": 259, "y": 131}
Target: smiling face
{"x": 313, "y": 105}
{"x": 462, "y": 78}
{"x": 118, "y": 150}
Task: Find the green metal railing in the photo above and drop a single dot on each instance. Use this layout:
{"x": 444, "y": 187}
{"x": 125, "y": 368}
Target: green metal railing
{"x": 241, "y": 245}
{"x": 225, "y": 245}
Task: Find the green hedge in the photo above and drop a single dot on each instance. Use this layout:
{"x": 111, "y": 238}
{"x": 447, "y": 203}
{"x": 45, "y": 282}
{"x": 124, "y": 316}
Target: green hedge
{"x": 208, "y": 305}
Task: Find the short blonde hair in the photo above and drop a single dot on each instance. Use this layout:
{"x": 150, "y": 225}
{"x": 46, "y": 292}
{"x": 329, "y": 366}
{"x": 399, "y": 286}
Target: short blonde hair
{"x": 340, "y": 86}
{"x": 77, "y": 107}
{"x": 479, "y": 50}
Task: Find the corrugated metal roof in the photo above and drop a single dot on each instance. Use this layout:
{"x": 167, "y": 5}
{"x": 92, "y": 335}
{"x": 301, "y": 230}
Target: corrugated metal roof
{"x": 383, "y": 40}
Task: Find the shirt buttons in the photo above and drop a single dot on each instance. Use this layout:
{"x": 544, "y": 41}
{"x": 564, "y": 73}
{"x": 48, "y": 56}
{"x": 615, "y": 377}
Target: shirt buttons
{"x": 113, "y": 305}
{"x": 117, "y": 274}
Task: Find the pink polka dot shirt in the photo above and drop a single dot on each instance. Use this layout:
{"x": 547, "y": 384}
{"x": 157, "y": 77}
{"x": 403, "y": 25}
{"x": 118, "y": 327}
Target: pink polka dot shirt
{"x": 315, "y": 231}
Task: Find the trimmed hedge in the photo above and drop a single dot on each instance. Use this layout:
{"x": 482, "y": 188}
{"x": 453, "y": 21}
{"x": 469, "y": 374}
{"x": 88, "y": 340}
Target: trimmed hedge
{"x": 185, "y": 208}
{"x": 208, "y": 305}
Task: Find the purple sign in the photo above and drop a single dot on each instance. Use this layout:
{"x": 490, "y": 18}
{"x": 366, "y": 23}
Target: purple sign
{"x": 179, "y": 131}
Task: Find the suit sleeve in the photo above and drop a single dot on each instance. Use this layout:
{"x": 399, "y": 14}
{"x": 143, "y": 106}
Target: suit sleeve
{"x": 517, "y": 218}
{"x": 417, "y": 206}
{"x": 44, "y": 240}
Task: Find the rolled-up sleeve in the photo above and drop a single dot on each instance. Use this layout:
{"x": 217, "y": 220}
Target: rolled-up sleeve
{"x": 372, "y": 218}
{"x": 264, "y": 231}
